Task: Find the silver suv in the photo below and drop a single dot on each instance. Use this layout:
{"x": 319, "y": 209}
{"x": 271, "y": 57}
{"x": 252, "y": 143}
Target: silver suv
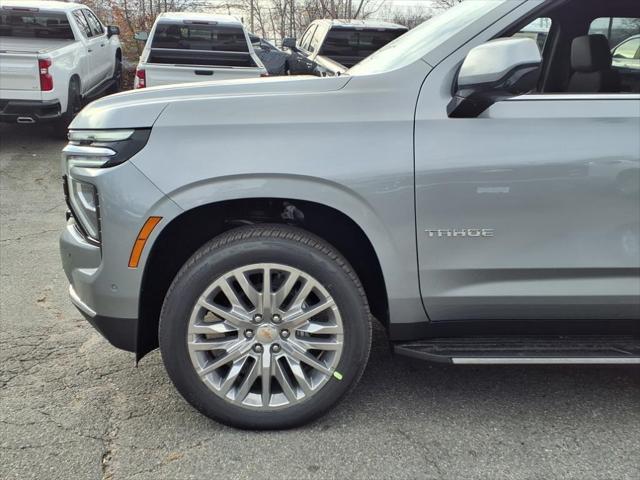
{"x": 477, "y": 196}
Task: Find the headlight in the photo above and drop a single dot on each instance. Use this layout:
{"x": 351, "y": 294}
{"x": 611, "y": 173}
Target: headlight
{"x": 90, "y": 149}
{"x": 82, "y": 196}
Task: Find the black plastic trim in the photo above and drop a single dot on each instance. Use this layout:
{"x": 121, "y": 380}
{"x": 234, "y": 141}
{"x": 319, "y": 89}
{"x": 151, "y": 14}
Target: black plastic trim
{"x": 11, "y": 110}
{"x": 125, "y": 149}
{"x": 402, "y": 332}
{"x": 122, "y": 333}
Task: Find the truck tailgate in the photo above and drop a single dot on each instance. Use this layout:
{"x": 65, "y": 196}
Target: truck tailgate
{"x": 158, "y": 74}
{"x": 19, "y": 71}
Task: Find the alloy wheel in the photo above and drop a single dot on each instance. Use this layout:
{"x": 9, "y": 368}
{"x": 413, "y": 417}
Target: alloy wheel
{"x": 265, "y": 336}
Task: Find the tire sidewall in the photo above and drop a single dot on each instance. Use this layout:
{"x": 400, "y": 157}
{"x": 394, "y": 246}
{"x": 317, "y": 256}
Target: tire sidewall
{"x": 204, "y": 268}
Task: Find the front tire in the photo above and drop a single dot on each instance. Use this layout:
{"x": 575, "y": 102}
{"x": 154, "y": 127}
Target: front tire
{"x": 259, "y": 361}
{"x": 116, "y": 85}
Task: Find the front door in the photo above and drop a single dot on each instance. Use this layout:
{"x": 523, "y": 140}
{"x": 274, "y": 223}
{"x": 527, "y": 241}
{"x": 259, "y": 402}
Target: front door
{"x": 530, "y": 211}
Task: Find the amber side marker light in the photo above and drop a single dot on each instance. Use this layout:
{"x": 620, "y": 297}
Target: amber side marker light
{"x": 141, "y": 240}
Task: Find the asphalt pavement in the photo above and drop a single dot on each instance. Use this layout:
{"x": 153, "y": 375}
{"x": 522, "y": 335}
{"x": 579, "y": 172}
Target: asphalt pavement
{"x": 73, "y": 407}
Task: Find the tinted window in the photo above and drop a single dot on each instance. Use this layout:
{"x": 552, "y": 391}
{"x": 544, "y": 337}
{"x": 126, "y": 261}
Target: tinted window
{"x": 199, "y": 37}
{"x": 357, "y": 43}
{"x": 35, "y": 25}
{"x": 96, "y": 27}
{"x": 82, "y": 23}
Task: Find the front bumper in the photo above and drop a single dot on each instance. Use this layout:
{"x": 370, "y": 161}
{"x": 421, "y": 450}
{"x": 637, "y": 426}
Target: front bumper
{"x": 102, "y": 286}
{"x": 11, "y": 111}
{"x": 120, "y": 332}
{"x": 81, "y": 261}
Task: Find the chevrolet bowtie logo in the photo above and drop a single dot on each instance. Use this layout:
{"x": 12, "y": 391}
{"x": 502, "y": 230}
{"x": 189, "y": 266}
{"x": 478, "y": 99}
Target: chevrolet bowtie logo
{"x": 460, "y": 232}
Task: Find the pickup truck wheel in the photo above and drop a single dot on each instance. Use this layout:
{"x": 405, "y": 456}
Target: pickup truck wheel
{"x": 265, "y": 327}
{"x": 116, "y": 86}
{"x": 74, "y": 105}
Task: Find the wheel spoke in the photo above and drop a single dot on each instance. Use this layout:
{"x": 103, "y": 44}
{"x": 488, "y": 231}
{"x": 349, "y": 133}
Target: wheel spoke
{"x": 311, "y": 343}
{"x": 223, "y": 359}
{"x": 206, "y": 344}
{"x": 299, "y": 375}
{"x": 298, "y": 318}
{"x": 320, "y": 329}
{"x": 299, "y": 354}
{"x": 265, "y": 296}
{"x": 232, "y": 376}
{"x": 232, "y": 296}
{"x": 247, "y": 383}
{"x": 283, "y": 380}
{"x": 233, "y": 317}
{"x": 284, "y": 291}
{"x": 252, "y": 294}
{"x": 204, "y": 328}
{"x": 301, "y": 296}
{"x": 265, "y": 373}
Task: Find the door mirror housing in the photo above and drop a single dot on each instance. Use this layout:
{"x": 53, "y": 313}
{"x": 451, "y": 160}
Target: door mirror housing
{"x": 495, "y": 70}
{"x": 141, "y": 36}
{"x": 290, "y": 43}
{"x": 112, "y": 30}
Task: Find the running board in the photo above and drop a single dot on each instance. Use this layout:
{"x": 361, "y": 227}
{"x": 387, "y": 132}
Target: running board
{"x": 526, "y": 350}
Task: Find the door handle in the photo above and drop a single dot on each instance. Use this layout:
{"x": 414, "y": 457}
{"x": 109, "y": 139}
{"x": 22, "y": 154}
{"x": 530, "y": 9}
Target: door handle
{"x": 203, "y": 72}
{"x": 89, "y": 50}
{"x": 102, "y": 44}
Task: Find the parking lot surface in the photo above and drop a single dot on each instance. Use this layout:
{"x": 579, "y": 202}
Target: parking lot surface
{"x": 72, "y": 406}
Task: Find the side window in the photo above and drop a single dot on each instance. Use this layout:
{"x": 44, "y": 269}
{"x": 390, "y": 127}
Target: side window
{"x": 82, "y": 23}
{"x": 537, "y": 30}
{"x": 628, "y": 50}
{"x": 96, "y": 27}
{"x": 616, "y": 29}
{"x": 623, "y": 34}
{"x": 315, "y": 40}
{"x": 306, "y": 38}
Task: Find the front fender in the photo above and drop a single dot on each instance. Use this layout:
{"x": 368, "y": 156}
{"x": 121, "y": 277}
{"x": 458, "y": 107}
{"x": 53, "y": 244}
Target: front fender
{"x": 397, "y": 262}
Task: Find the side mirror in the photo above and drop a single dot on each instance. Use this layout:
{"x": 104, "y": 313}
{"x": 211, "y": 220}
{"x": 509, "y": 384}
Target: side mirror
{"x": 495, "y": 70}
{"x": 290, "y": 43}
{"x": 141, "y": 36}
{"x": 112, "y": 30}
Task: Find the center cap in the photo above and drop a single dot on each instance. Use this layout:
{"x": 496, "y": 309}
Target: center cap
{"x": 266, "y": 334}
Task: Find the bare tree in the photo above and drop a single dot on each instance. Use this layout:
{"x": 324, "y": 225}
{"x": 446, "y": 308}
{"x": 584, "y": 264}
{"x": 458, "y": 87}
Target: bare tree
{"x": 410, "y": 17}
{"x": 444, "y": 4}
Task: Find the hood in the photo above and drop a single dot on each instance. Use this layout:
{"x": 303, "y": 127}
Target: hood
{"x": 141, "y": 108}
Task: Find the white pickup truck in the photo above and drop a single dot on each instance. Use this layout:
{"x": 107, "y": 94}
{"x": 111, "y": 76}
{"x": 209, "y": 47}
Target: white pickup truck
{"x": 54, "y": 56}
{"x": 196, "y": 47}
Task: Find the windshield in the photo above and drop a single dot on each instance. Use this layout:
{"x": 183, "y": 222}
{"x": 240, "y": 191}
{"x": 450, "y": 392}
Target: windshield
{"x": 28, "y": 24}
{"x": 418, "y": 42}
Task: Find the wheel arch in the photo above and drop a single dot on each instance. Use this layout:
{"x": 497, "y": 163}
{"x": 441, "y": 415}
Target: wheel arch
{"x": 184, "y": 234}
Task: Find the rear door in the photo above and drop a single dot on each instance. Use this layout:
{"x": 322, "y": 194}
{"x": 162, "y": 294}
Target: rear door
{"x": 101, "y": 59}
{"x": 91, "y": 44}
{"x": 531, "y": 210}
